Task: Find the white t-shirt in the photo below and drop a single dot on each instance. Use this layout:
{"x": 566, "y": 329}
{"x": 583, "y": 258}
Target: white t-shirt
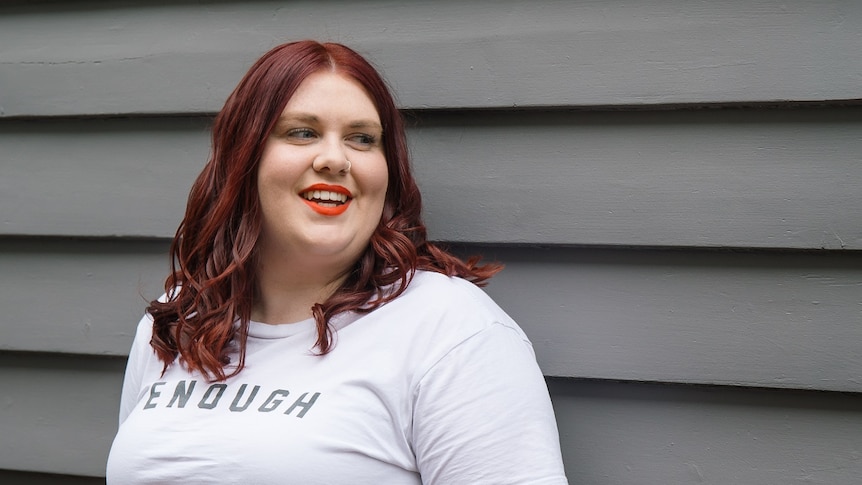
{"x": 439, "y": 386}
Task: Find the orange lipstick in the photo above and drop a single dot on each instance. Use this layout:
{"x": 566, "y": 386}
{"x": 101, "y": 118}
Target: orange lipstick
{"x": 335, "y": 197}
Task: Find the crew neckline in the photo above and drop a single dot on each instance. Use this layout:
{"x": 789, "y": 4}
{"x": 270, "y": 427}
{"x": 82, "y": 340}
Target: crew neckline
{"x": 283, "y": 330}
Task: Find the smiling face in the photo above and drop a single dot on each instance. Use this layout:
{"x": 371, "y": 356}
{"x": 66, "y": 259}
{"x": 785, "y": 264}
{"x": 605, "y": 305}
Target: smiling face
{"x": 322, "y": 177}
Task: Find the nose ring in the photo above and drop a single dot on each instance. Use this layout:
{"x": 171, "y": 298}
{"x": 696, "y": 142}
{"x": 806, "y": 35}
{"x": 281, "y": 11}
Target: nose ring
{"x": 347, "y": 169}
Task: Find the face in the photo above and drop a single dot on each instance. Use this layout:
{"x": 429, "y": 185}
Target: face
{"x": 322, "y": 178}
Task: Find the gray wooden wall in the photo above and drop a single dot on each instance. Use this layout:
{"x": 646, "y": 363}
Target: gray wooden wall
{"x": 674, "y": 186}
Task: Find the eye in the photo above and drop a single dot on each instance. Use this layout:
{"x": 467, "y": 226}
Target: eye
{"x": 362, "y": 141}
{"x": 301, "y": 134}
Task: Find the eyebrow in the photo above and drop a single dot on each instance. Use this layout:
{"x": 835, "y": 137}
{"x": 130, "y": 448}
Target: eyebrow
{"x": 313, "y": 119}
{"x": 367, "y": 124}
{"x": 309, "y": 118}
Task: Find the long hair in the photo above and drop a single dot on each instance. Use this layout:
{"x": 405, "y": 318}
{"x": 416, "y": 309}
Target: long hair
{"x": 212, "y": 284}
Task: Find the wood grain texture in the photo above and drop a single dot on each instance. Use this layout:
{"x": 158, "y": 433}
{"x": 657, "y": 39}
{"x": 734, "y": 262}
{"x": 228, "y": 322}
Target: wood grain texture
{"x": 184, "y": 57}
{"x": 749, "y": 319}
{"x": 715, "y": 178}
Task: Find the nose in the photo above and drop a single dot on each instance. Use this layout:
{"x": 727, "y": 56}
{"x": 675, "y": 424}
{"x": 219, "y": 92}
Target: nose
{"x": 332, "y": 158}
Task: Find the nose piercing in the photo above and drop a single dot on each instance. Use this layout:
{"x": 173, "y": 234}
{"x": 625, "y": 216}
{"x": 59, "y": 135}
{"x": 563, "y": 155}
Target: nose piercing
{"x": 347, "y": 170}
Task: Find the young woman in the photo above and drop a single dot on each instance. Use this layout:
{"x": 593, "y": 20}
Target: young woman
{"x": 310, "y": 333}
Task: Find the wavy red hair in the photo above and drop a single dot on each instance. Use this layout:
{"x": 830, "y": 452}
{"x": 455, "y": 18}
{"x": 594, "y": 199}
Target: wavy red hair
{"x": 212, "y": 284}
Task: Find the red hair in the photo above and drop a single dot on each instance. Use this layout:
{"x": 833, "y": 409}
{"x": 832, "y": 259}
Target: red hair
{"x": 212, "y": 284}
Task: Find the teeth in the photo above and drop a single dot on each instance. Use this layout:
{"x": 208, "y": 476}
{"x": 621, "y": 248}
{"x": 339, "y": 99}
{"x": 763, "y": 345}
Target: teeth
{"x": 325, "y": 195}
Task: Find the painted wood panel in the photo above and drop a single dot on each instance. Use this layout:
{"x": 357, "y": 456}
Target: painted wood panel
{"x": 635, "y": 434}
{"x": 13, "y": 477}
{"x": 785, "y": 320}
{"x": 103, "y": 177}
{"x": 59, "y": 413}
{"x": 628, "y": 164}
{"x": 59, "y": 416}
{"x": 77, "y": 296}
{"x": 738, "y": 178}
{"x": 77, "y": 58}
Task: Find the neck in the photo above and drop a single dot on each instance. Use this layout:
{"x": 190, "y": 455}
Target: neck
{"x": 287, "y": 292}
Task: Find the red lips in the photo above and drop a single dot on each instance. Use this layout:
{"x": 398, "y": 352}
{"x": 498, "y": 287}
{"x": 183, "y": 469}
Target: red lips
{"x": 326, "y": 210}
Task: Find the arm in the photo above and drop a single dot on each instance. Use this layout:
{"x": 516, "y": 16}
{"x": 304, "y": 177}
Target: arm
{"x": 483, "y": 415}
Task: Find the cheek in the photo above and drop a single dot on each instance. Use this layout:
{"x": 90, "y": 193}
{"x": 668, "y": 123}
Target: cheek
{"x": 380, "y": 178}
{"x": 382, "y": 191}
{"x": 383, "y": 185}
{"x": 277, "y": 171}
{"x": 376, "y": 185}
{"x": 265, "y": 191}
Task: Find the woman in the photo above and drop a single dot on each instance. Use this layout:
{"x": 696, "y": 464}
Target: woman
{"x": 310, "y": 332}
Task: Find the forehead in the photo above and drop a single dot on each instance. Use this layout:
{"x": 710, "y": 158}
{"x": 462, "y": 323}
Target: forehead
{"x": 329, "y": 93}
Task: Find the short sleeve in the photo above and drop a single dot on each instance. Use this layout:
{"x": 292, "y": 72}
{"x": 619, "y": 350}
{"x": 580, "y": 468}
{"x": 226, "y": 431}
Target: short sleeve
{"x": 482, "y": 415}
{"x": 140, "y": 355}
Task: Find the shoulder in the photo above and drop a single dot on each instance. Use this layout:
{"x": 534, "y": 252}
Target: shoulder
{"x": 142, "y": 350}
{"x": 437, "y": 293}
{"x": 427, "y": 284}
{"x": 142, "y": 355}
{"x": 446, "y": 310}
{"x": 144, "y": 329}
